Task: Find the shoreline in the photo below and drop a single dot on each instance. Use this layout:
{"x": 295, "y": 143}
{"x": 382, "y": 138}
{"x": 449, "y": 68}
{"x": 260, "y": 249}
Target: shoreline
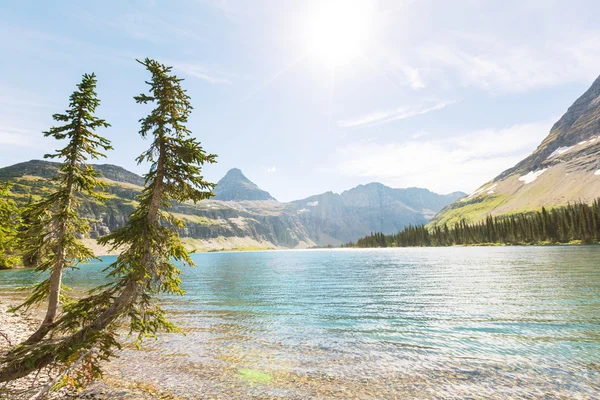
{"x": 15, "y": 327}
{"x": 102, "y": 253}
{"x": 234, "y": 245}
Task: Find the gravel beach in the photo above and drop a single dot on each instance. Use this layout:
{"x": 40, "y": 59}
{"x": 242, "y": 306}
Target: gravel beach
{"x": 16, "y": 327}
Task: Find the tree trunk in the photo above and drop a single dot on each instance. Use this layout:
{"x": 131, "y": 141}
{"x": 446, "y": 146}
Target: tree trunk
{"x": 59, "y": 265}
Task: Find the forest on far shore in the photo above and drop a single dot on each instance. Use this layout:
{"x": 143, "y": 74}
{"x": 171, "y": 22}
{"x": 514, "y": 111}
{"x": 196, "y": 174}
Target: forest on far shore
{"x": 574, "y": 223}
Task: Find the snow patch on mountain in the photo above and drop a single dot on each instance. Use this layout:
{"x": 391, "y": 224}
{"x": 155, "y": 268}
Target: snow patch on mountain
{"x": 313, "y": 203}
{"x": 480, "y": 191}
{"x": 559, "y": 151}
{"x": 427, "y": 213}
{"x": 532, "y": 176}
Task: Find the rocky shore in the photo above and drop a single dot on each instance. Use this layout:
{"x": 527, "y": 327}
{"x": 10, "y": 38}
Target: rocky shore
{"x": 16, "y": 327}
{"x": 159, "y": 372}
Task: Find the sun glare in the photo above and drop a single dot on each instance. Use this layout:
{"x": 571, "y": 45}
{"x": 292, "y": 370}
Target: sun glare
{"x": 339, "y": 30}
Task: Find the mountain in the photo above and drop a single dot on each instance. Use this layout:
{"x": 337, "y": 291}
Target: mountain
{"x": 565, "y": 168}
{"x": 47, "y": 169}
{"x": 242, "y": 216}
{"x": 234, "y": 186}
{"x": 332, "y": 218}
{"x": 210, "y": 224}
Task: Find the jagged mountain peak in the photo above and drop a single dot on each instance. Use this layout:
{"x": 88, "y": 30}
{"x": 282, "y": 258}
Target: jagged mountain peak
{"x": 235, "y": 186}
{"x": 580, "y": 123}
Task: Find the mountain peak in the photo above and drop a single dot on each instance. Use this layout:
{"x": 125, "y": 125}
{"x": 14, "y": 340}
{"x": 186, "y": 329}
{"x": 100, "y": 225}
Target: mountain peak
{"x": 580, "y": 123}
{"x": 235, "y": 186}
{"x": 564, "y": 169}
{"x": 235, "y": 174}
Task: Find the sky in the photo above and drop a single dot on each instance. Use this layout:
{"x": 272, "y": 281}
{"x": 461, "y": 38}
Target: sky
{"x": 310, "y": 96}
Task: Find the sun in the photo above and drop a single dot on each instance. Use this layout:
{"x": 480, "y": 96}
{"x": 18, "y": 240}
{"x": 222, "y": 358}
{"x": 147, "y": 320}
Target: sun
{"x": 339, "y": 31}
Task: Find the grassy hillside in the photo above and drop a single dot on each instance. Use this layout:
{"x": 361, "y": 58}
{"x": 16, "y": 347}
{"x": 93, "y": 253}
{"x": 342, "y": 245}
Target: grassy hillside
{"x": 564, "y": 169}
{"x": 210, "y": 225}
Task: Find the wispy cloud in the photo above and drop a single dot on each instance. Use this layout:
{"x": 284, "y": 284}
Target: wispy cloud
{"x": 410, "y": 76}
{"x": 20, "y": 141}
{"x": 462, "y": 162}
{"x": 143, "y": 26}
{"x": 203, "y": 72}
{"x": 14, "y": 138}
{"x": 385, "y": 116}
{"x": 51, "y": 47}
{"x": 506, "y": 68}
{"x": 460, "y": 45}
{"x": 21, "y": 117}
{"x": 228, "y": 8}
{"x": 272, "y": 169}
{"x": 20, "y": 99}
{"x": 21, "y": 134}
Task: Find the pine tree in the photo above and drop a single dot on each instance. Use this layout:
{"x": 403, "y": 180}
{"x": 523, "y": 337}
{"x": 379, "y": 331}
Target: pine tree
{"x": 9, "y": 221}
{"x": 152, "y": 245}
{"x": 52, "y": 235}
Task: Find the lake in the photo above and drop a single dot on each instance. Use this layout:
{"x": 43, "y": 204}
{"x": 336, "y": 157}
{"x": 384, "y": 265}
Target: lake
{"x": 485, "y": 322}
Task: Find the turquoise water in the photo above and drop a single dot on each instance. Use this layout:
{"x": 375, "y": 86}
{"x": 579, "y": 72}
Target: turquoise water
{"x": 499, "y": 321}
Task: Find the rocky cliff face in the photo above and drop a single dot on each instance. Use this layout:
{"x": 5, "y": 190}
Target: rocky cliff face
{"x": 244, "y": 213}
{"x": 580, "y": 123}
{"x": 565, "y": 168}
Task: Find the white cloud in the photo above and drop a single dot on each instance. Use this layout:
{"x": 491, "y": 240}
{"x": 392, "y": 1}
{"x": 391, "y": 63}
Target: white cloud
{"x": 512, "y": 68}
{"x": 14, "y": 138}
{"x": 524, "y": 46}
{"x": 411, "y": 76}
{"x": 418, "y": 135}
{"x": 272, "y": 169}
{"x": 385, "y": 116}
{"x": 444, "y": 165}
{"x": 22, "y": 116}
{"x": 203, "y": 72}
{"x": 11, "y": 135}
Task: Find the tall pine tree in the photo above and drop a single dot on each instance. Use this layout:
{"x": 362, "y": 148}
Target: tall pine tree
{"x": 52, "y": 235}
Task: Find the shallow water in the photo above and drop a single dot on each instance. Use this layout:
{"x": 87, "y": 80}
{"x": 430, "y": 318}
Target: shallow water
{"x": 492, "y": 322}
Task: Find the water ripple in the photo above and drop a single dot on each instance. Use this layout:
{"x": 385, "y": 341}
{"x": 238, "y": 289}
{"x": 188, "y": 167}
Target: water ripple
{"x": 510, "y": 322}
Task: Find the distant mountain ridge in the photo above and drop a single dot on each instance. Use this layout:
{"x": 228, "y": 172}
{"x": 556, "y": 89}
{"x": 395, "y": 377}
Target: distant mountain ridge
{"x": 332, "y": 218}
{"x": 243, "y": 216}
{"x": 49, "y": 169}
{"x": 565, "y": 168}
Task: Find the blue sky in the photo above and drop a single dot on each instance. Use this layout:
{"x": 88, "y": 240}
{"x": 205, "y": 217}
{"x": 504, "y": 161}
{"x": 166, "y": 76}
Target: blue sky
{"x": 310, "y": 96}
